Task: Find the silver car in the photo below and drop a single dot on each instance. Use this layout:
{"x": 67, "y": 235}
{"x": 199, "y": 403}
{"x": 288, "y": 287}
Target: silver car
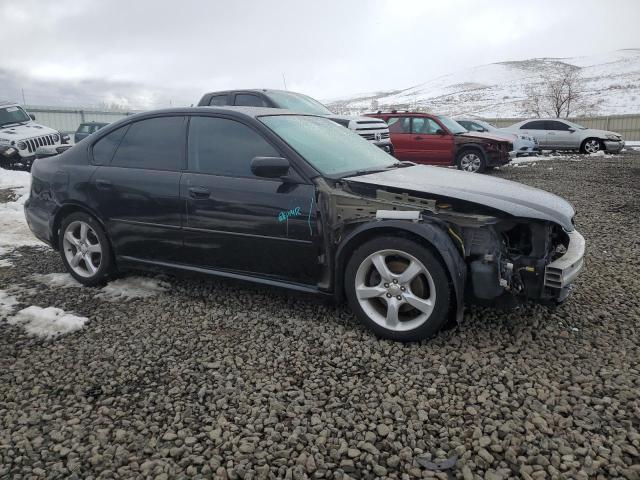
{"x": 557, "y": 134}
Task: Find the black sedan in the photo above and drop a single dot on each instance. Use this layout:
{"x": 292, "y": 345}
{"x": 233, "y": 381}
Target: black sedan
{"x": 297, "y": 201}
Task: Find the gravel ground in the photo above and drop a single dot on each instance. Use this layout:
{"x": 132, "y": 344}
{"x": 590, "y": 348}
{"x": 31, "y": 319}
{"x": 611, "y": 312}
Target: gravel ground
{"x": 225, "y": 380}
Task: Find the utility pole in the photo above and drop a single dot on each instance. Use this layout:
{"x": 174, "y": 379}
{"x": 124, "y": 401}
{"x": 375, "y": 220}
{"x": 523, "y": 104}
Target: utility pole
{"x": 23, "y": 101}
{"x": 284, "y": 80}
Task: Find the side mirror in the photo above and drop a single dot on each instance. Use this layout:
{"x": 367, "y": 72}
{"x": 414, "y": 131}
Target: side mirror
{"x": 33, "y": 117}
{"x": 572, "y": 130}
{"x": 270, "y": 167}
{"x": 440, "y": 132}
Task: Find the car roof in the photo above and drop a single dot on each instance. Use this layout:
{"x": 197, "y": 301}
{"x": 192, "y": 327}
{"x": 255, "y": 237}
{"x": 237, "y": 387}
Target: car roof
{"x": 252, "y": 112}
{"x": 250, "y": 90}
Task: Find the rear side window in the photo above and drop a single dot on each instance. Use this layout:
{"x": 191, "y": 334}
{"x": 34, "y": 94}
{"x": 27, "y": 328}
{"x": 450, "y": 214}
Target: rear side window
{"x": 218, "y": 100}
{"x": 154, "y": 144}
{"x": 104, "y": 148}
{"x": 219, "y": 146}
{"x": 425, "y": 126}
{"x": 247, "y": 100}
{"x": 399, "y": 124}
{"x": 535, "y": 125}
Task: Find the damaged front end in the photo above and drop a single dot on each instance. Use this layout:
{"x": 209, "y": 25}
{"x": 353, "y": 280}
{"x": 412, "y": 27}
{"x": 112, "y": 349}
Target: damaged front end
{"x": 491, "y": 256}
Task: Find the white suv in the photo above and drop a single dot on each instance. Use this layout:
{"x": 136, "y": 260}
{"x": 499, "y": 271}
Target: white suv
{"x": 21, "y": 136}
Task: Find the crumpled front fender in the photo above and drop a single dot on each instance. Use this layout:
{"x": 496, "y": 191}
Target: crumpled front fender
{"x": 430, "y": 231}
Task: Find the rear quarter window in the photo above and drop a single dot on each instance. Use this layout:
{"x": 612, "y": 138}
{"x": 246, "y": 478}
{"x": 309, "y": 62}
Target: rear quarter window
{"x": 104, "y": 148}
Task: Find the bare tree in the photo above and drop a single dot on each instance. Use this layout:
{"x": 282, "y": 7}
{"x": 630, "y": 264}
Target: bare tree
{"x": 558, "y": 96}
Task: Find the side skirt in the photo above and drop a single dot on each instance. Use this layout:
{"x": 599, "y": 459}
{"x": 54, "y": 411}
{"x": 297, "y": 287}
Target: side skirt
{"x": 133, "y": 262}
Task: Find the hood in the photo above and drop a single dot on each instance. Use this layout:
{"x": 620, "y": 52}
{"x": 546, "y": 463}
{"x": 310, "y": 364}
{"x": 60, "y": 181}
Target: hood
{"x": 488, "y": 136}
{"x": 599, "y": 133}
{"x": 509, "y": 197}
{"x": 29, "y": 130}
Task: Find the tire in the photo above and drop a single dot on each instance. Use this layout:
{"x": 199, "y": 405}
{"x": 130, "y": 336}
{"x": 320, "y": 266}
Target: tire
{"x": 83, "y": 241}
{"x": 420, "y": 305}
{"x": 471, "y": 160}
{"x": 591, "y": 145}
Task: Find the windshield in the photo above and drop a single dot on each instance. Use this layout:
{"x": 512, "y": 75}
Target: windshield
{"x": 299, "y": 103}
{"x": 330, "y": 148}
{"x": 453, "y": 126}
{"x": 13, "y": 114}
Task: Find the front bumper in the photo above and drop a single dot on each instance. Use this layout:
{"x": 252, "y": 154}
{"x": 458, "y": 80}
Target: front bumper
{"x": 385, "y": 145}
{"x": 613, "y": 146}
{"x": 10, "y": 157}
{"x": 563, "y": 271}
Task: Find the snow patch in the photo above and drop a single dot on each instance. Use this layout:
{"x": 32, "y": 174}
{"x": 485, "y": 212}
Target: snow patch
{"x": 57, "y": 280}
{"x": 599, "y": 153}
{"x": 14, "y": 231}
{"x": 47, "y": 322}
{"x": 4, "y": 263}
{"x": 132, "y": 287}
{"x": 7, "y": 303}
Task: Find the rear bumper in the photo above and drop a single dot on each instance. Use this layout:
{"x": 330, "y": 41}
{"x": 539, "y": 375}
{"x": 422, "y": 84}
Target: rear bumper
{"x": 563, "y": 271}
{"x": 39, "y": 222}
{"x": 613, "y": 146}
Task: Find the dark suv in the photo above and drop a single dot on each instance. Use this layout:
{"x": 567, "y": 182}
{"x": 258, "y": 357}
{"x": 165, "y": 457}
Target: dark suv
{"x": 372, "y": 130}
{"x": 439, "y": 140}
{"x": 298, "y": 201}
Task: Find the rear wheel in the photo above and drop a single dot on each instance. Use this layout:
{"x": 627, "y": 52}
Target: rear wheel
{"x": 471, "y": 161}
{"x": 591, "y": 145}
{"x": 85, "y": 249}
{"x": 398, "y": 289}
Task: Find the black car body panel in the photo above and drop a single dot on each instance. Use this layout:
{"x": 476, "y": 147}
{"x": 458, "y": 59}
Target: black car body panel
{"x": 298, "y": 231}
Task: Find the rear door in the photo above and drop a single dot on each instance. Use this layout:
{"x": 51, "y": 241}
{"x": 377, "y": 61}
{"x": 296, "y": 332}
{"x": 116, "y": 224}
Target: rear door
{"x": 400, "y": 133}
{"x": 538, "y": 130}
{"x": 559, "y": 135}
{"x": 238, "y": 222}
{"x": 431, "y": 143}
{"x": 136, "y": 188}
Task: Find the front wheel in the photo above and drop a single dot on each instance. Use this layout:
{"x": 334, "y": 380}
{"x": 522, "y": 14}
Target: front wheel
{"x": 85, "y": 249}
{"x": 398, "y": 289}
{"x": 471, "y": 161}
{"x": 591, "y": 145}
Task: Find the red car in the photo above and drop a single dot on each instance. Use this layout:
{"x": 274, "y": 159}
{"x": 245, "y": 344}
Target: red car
{"x": 439, "y": 140}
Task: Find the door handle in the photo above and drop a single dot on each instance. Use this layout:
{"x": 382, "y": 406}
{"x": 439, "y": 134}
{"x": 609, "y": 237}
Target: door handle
{"x": 103, "y": 184}
{"x": 418, "y": 138}
{"x": 199, "y": 192}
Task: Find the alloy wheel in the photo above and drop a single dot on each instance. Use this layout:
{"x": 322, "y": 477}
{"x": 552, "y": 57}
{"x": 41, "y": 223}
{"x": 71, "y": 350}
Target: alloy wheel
{"x": 470, "y": 162}
{"x": 82, "y": 248}
{"x": 395, "y": 290}
{"x": 592, "y": 146}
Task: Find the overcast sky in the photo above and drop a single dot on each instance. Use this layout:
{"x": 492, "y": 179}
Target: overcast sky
{"x": 327, "y": 48}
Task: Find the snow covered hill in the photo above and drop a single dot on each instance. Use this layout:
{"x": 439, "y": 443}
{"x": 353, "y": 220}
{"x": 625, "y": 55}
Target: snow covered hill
{"x": 611, "y": 83}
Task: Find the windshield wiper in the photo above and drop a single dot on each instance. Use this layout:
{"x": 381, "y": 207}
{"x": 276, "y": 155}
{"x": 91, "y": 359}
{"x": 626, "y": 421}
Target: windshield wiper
{"x": 375, "y": 170}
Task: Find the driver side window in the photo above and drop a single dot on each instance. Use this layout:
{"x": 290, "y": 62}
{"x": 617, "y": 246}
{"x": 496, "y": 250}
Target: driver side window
{"x": 399, "y": 124}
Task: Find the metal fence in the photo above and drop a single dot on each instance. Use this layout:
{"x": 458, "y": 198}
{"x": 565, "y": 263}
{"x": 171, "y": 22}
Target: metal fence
{"x": 626, "y": 125}
{"x": 67, "y": 120}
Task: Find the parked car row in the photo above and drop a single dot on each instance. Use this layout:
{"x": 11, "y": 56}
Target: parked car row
{"x": 296, "y": 200}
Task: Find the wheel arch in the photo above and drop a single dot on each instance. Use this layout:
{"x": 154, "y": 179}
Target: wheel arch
{"x": 433, "y": 233}
{"x": 67, "y": 209}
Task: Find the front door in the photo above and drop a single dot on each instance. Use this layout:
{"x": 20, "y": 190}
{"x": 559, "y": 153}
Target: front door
{"x": 560, "y": 135}
{"x": 136, "y": 188}
{"x": 238, "y": 222}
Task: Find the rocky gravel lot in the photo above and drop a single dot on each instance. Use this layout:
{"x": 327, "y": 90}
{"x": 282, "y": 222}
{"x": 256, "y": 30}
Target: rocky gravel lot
{"x": 225, "y": 380}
